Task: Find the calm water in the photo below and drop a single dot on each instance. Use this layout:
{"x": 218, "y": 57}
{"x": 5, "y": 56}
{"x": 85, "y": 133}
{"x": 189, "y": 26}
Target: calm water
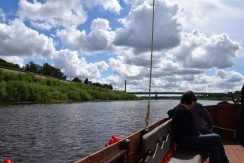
{"x": 60, "y": 133}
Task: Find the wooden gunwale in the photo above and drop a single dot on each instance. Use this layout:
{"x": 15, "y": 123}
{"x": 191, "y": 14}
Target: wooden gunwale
{"x": 224, "y": 116}
{"x": 134, "y": 151}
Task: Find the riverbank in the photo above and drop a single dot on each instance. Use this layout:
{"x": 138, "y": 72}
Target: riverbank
{"x": 29, "y": 88}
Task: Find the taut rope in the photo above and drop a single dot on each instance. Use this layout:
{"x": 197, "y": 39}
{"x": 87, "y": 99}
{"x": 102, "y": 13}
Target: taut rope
{"x": 147, "y": 119}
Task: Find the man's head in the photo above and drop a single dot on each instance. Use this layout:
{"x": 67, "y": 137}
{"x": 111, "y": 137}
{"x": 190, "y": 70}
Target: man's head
{"x": 188, "y": 99}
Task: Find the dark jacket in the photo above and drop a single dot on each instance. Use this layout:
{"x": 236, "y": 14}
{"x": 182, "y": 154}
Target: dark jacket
{"x": 199, "y": 113}
{"x": 183, "y": 125}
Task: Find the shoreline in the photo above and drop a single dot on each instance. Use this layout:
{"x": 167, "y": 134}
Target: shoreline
{"x": 56, "y": 102}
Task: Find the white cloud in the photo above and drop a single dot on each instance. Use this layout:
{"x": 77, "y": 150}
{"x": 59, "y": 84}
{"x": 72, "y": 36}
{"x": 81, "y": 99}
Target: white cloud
{"x": 116, "y": 81}
{"x": 2, "y": 16}
{"x": 110, "y": 5}
{"x": 125, "y": 70}
{"x": 129, "y": 56}
{"x": 170, "y": 76}
{"x": 166, "y": 77}
{"x": 181, "y": 68}
{"x": 226, "y": 81}
{"x": 99, "y": 39}
{"x": 197, "y": 50}
{"x": 230, "y": 76}
{"x": 54, "y": 13}
{"x": 203, "y": 82}
{"x": 136, "y": 32}
{"x": 18, "y": 40}
{"x": 200, "y": 13}
{"x": 222, "y": 81}
{"x": 42, "y": 26}
{"x": 133, "y": 2}
{"x": 71, "y": 64}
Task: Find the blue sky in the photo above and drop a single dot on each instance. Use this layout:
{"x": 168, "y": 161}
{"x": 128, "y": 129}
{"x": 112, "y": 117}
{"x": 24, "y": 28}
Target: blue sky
{"x": 198, "y": 43}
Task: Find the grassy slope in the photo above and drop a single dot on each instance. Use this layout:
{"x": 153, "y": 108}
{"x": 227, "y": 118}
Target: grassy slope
{"x": 20, "y": 87}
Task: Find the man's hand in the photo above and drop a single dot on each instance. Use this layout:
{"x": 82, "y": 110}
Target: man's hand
{"x": 210, "y": 130}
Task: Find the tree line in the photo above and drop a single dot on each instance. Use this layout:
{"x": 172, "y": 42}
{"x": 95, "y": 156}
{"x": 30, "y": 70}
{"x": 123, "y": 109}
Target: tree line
{"x": 86, "y": 81}
{"x": 48, "y": 70}
{"x": 6, "y": 64}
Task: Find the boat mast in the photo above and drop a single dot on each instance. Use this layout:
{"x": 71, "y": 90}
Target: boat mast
{"x": 147, "y": 119}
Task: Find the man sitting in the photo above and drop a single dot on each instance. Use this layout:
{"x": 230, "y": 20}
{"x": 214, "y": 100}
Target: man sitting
{"x": 187, "y": 137}
{"x": 200, "y": 115}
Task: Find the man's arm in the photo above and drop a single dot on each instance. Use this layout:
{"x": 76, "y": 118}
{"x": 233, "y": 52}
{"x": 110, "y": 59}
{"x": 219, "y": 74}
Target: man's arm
{"x": 171, "y": 112}
{"x": 205, "y": 114}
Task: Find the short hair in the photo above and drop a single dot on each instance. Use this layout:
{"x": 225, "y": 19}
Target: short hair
{"x": 188, "y": 97}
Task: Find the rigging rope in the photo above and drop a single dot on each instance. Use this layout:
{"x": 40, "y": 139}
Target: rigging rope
{"x": 147, "y": 118}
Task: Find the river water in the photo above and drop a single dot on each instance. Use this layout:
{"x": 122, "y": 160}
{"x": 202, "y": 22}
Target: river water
{"x": 60, "y": 133}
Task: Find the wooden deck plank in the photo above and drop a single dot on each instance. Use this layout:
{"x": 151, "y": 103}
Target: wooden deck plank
{"x": 239, "y": 151}
{"x": 231, "y": 155}
{"x": 235, "y": 153}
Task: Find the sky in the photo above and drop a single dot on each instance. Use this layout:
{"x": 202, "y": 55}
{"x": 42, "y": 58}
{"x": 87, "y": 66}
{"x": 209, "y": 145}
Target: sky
{"x": 197, "y": 43}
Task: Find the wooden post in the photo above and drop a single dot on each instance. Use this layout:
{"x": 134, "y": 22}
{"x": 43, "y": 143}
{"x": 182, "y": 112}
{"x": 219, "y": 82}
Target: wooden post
{"x": 125, "y": 85}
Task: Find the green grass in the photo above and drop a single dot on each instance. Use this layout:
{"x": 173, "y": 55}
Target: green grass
{"x": 21, "y": 87}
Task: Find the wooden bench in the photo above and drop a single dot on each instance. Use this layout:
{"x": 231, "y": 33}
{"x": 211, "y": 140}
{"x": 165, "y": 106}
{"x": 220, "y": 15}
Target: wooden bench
{"x": 158, "y": 142}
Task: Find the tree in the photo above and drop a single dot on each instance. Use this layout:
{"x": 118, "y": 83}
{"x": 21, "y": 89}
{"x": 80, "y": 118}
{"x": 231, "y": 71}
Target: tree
{"x": 32, "y": 67}
{"x": 86, "y": 81}
{"x": 77, "y": 80}
{"x": 97, "y": 84}
{"x": 52, "y": 71}
{"x": 110, "y": 86}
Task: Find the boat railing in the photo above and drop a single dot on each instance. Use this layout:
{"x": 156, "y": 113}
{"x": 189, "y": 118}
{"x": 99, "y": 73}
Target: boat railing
{"x": 157, "y": 143}
{"x": 224, "y": 115}
{"x": 126, "y": 150}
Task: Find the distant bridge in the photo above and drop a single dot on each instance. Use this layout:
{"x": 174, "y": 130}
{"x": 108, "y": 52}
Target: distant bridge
{"x": 178, "y": 93}
{"x": 162, "y": 95}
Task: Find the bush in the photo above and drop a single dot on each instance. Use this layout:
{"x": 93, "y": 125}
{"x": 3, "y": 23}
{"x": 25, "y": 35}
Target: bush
{"x": 56, "y": 83}
{"x": 20, "y": 77}
{"x": 3, "y": 93}
{"x": 57, "y": 95}
{"x": 34, "y": 91}
{"x": 45, "y": 94}
{"x": 17, "y": 91}
{"x": 99, "y": 95}
{"x": 74, "y": 95}
{"x": 29, "y": 77}
{"x": 9, "y": 76}
{"x": 85, "y": 96}
{"x": 1, "y": 75}
{"x": 49, "y": 82}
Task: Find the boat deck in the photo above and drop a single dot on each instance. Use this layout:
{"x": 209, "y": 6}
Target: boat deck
{"x": 235, "y": 153}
